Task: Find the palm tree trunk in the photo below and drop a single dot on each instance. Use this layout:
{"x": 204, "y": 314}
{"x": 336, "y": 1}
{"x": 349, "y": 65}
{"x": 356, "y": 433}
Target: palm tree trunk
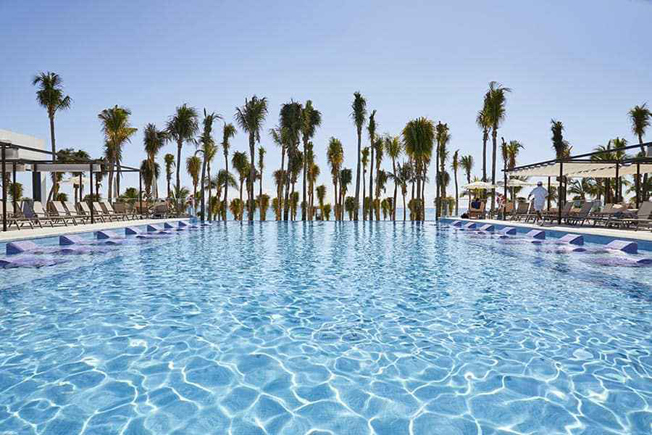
{"x": 110, "y": 188}
{"x": 395, "y": 189}
{"x": 485, "y": 138}
{"x": 418, "y": 214}
{"x": 279, "y": 196}
{"x": 364, "y": 195}
{"x": 178, "y": 186}
{"x": 371, "y": 184}
{"x": 335, "y": 197}
{"x": 404, "y": 192}
{"x": 225, "y": 206}
{"x": 210, "y": 190}
{"x": 203, "y": 189}
{"x": 357, "y": 180}
{"x": 305, "y": 165}
{"x": 251, "y": 179}
{"x": 437, "y": 183}
{"x": 241, "y": 204}
{"x": 423, "y": 196}
{"x": 457, "y": 198}
{"x": 494, "y": 136}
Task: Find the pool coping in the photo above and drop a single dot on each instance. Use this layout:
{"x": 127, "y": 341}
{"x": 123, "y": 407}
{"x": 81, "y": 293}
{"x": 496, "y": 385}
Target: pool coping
{"x": 591, "y": 234}
{"x": 42, "y": 233}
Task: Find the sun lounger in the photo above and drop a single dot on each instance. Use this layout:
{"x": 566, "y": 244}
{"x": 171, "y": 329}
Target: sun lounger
{"x": 60, "y": 212}
{"x": 86, "y": 211}
{"x": 521, "y": 211}
{"x": 15, "y": 217}
{"x": 72, "y": 211}
{"x": 109, "y": 211}
{"x": 580, "y": 217}
{"x": 554, "y": 215}
{"x": 43, "y": 216}
{"x": 98, "y": 211}
{"x": 122, "y": 208}
{"x": 642, "y": 217}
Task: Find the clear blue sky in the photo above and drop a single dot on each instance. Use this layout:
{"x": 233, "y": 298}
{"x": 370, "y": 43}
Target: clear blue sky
{"x": 585, "y": 62}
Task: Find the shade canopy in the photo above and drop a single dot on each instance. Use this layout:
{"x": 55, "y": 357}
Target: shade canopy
{"x": 67, "y": 167}
{"x": 584, "y": 169}
{"x": 479, "y": 185}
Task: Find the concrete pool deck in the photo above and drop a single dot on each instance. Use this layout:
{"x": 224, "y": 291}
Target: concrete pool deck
{"x": 642, "y": 235}
{"x": 27, "y": 233}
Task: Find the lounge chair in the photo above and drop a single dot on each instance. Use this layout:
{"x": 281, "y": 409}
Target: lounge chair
{"x": 99, "y": 211}
{"x": 160, "y": 211}
{"x": 474, "y": 213}
{"x": 58, "y": 211}
{"x": 44, "y": 216}
{"x": 580, "y": 217}
{"x": 552, "y": 216}
{"x": 72, "y": 211}
{"x": 86, "y": 211}
{"x": 15, "y": 217}
{"x": 521, "y": 211}
{"x": 109, "y": 211}
{"x": 643, "y": 217}
{"x": 122, "y": 208}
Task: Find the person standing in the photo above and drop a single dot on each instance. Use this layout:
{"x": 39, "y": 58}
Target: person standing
{"x": 539, "y": 194}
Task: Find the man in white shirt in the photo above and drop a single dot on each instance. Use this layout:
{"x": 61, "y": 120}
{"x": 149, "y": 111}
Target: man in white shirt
{"x": 540, "y": 194}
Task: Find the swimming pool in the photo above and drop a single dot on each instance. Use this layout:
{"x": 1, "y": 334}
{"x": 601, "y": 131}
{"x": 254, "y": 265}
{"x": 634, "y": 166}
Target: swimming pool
{"x": 331, "y": 327}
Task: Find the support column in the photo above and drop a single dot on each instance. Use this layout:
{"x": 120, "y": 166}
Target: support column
{"x": 13, "y": 180}
{"x": 91, "y": 196}
{"x": 561, "y": 189}
{"x": 4, "y": 187}
{"x": 638, "y": 184}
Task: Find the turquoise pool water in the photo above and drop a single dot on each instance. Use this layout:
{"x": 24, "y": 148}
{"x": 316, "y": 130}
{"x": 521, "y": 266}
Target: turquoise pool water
{"x": 327, "y": 328}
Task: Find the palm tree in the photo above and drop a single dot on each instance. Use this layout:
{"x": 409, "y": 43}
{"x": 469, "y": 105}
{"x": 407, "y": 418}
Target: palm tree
{"x": 418, "y": 141}
{"x": 237, "y": 208}
{"x": 482, "y": 120}
{"x": 193, "y": 166}
{"x": 443, "y": 138}
{"x": 150, "y": 173}
{"x": 379, "y": 149}
{"x": 455, "y": 165}
{"x": 182, "y": 127}
{"x": 349, "y": 206}
{"x": 261, "y": 166}
{"x": 371, "y": 129}
{"x": 241, "y": 164}
{"x": 359, "y": 114}
{"x": 496, "y": 100}
{"x": 311, "y": 119}
{"x": 313, "y": 174}
{"x": 467, "y": 164}
{"x": 335, "y": 156}
{"x": 250, "y": 118}
{"x": 223, "y": 180}
{"x": 117, "y": 131}
{"x": 365, "y": 163}
{"x": 561, "y": 146}
{"x": 208, "y": 149}
{"x": 295, "y": 165}
{"x": 153, "y": 139}
{"x": 402, "y": 178}
{"x": 169, "y": 164}
{"x": 321, "y": 195}
{"x": 279, "y": 178}
{"x": 290, "y": 124}
{"x": 263, "y": 205}
{"x": 327, "y": 212}
{"x": 346, "y": 177}
{"x": 228, "y": 132}
{"x": 510, "y": 152}
{"x": 50, "y": 96}
{"x": 394, "y": 149}
{"x": 640, "y": 117}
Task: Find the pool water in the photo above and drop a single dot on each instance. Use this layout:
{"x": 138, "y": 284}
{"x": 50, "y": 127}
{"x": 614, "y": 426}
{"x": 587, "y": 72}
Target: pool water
{"x": 327, "y": 328}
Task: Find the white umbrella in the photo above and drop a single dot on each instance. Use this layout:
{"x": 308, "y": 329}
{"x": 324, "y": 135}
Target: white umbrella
{"x": 75, "y": 181}
{"x": 479, "y": 185}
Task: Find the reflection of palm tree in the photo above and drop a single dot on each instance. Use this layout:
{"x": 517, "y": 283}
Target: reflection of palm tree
{"x": 182, "y": 127}
{"x": 358, "y": 113}
{"x": 250, "y": 117}
{"x": 50, "y": 95}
